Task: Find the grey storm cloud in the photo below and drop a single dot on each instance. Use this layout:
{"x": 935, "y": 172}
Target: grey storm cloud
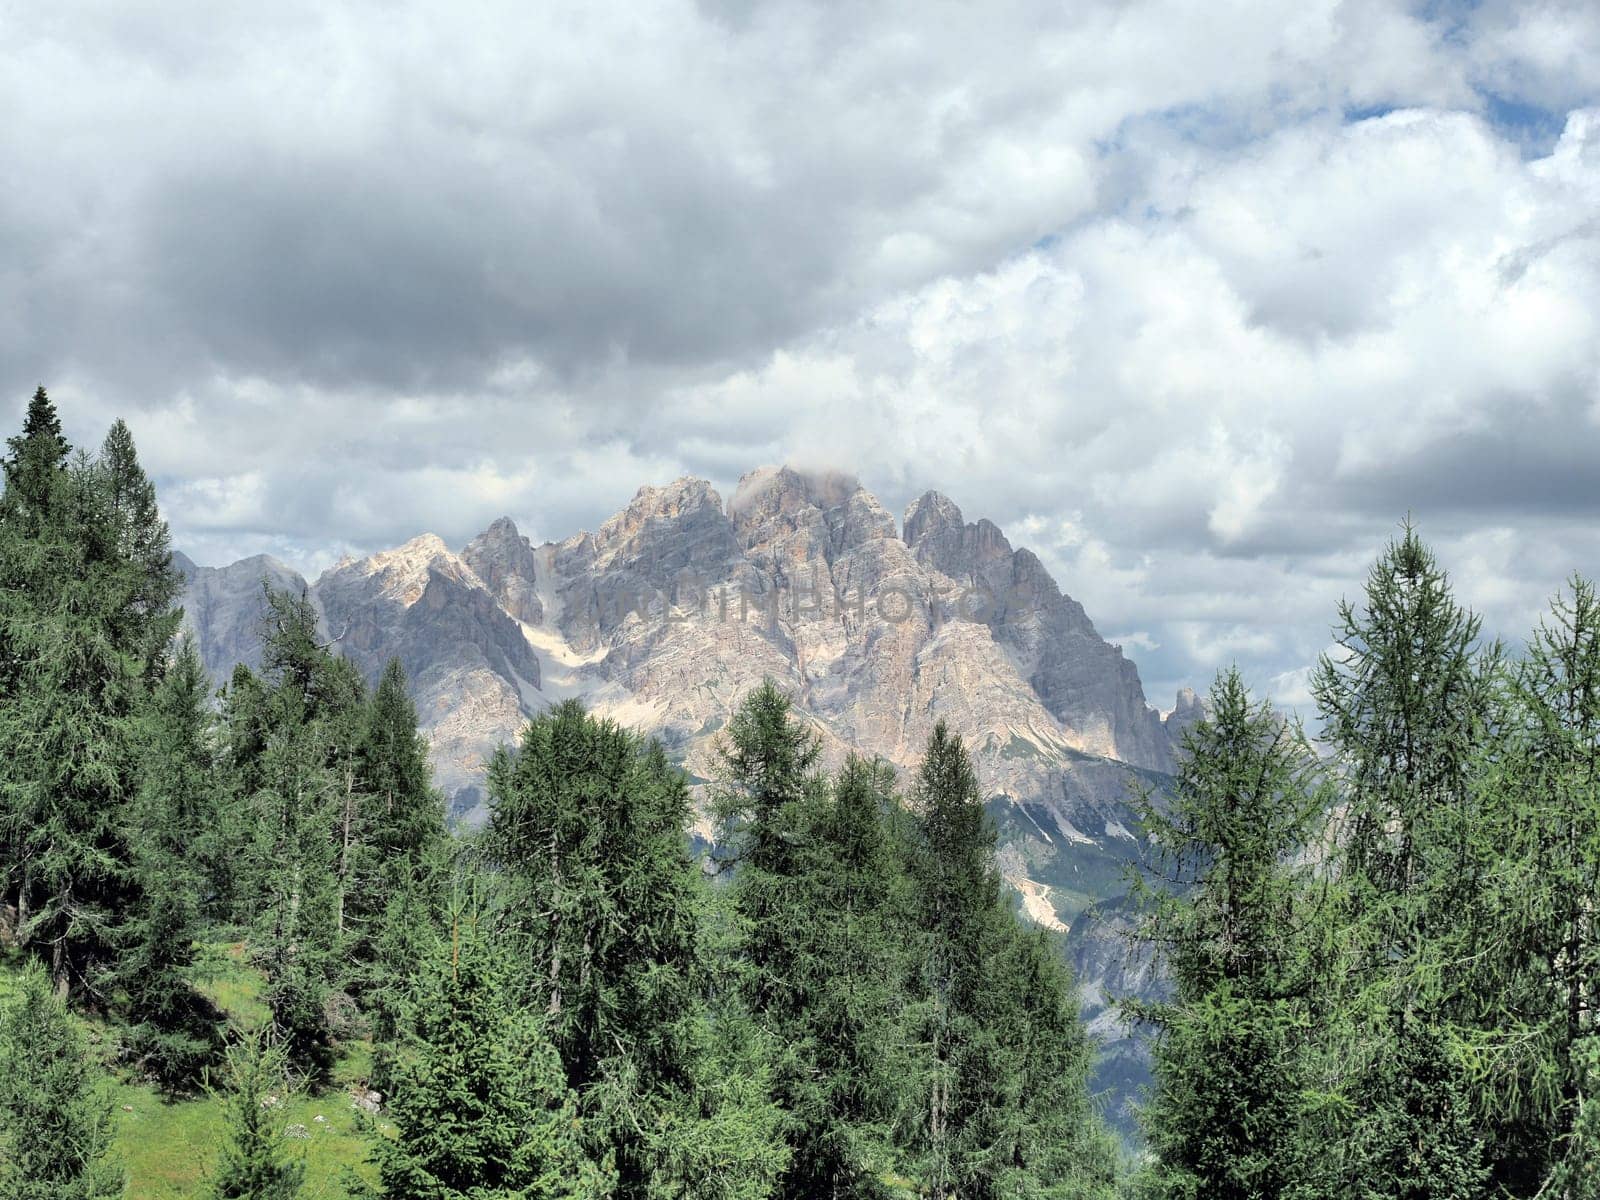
{"x": 1196, "y": 300}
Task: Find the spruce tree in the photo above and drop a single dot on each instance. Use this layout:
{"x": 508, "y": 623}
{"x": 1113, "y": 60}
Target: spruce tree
{"x": 482, "y": 1106}
{"x": 147, "y": 585}
{"x": 408, "y": 814}
{"x": 55, "y": 1123}
{"x": 392, "y": 824}
{"x": 32, "y": 559}
{"x": 816, "y": 962}
{"x": 87, "y": 614}
{"x": 33, "y": 467}
{"x": 768, "y": 760}
{"x": 1535, "y": 958}
{"x": 1055, "y": 1145}
{"x": 253, "y": 1164}
{"x": 960, "y": 914}
{"x": 853, "y": 954}
{"x": 175, "y": 1033}
{"x": 588, "y": 826}
{"x": 300, "y": 748}
{"x": 1228, "y": 918}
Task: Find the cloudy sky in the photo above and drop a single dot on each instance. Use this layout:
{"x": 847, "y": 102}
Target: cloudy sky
{"x": 1197, "y": 299}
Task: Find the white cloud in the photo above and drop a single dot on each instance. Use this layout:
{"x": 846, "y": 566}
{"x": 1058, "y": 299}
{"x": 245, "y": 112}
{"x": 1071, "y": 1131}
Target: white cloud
{"x": 1129, "y": 278}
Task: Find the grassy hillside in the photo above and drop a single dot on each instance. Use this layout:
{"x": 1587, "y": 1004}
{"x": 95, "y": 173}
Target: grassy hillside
{"x": 169, "y": 1148}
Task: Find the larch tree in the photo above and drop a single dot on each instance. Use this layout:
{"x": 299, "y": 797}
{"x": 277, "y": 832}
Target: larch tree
{"x": 1405, "y": 702}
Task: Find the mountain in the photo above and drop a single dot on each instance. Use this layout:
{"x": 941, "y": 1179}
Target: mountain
{"x": 678, "y": 605}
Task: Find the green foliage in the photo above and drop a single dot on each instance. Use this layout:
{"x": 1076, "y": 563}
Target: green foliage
{"x": 253, "y": 1164}
{"x": 296, "y": 733}
{"x": 606, "y": 907}
{"x": 175, "y": 1032}
{"x": 483, "y": 1107}
{"x": 55, "y": 1120}
{"x": 1407, "y": 702}
{"x": 1001, "y": 1106}
{"x": 1230, "y": 925}
{"x": 85, "y": 616}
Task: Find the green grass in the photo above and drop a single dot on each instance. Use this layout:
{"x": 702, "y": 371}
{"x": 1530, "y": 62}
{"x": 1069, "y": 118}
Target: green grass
{"x": 169, "y": 1148}
{"x": 229, "y": 981}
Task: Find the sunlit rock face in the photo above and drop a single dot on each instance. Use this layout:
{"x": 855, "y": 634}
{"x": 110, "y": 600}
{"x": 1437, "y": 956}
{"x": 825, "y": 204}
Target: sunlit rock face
{"x": 683, "y": 601}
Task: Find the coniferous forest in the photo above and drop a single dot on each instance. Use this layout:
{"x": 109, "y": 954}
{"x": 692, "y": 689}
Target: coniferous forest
{"x": 237, "y": 902}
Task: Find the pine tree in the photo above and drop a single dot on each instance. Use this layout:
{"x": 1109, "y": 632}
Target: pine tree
{"x": 253, "y": 1165}
{"x": 55, "y": 1124}
{"x": 408, "y": 814}
{"x": 768, "y": 761}
{"x": 32, "y": 557}
{"x": 1535, "y": 958}
{"x": 406, "y": 935}
{"x": 35, "y": 464}
{"x": 175, "y": 1032}
{"x": 483, "y": 1108}
{"x": 147, "y": 585}
{"x": 1055, "y": 1144}
{"x": 1228, "y": 921}
{"x": 854, "y": 901}
{"x": 588, "y": 822}
{"x": 765, "y": 799}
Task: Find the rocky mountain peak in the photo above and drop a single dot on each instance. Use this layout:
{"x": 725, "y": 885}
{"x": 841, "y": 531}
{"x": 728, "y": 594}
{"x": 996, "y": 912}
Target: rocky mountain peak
{"x": 930, "y": 515}
{"x": 680, "y": 526}
{"x": 506, "y": 564}
{"x": 769, "y": 490}
{"x": 803, "y": 577}
{"x": 404, "y": 572}
{"x": 790, "y": 519}
{"x": 667, "y": 502}
{"x": 940, "y": 538}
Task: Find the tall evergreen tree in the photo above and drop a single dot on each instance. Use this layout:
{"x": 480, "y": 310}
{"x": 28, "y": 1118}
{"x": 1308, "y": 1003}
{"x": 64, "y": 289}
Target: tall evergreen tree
{"x": 145, "y": 615}
{"x": 1230, "y": 922}
{"x": 483, "y": 1108}
{"x": 588, "y": 825}
{"x": 408, "y": 814}
{"x": 1531, "y": 989}
{"x": 87, "y": 613}
{"x": 768, "y": 760}
{"x": 55, "y": 1122}
{"x": 851, "y": 957}
{"x": 35, "y": 464}
{"x": 1055, "y": 1144}
{"x": 175, "y": 1033}
{"x": 391, "y": 823}
{"x": 818, "y": 964}
{"x": 253, "y": 1164}
{"x": 32, "y": 557}
{"x": 960, "y": 1114}
{"x": 1405, "y": 702}
{"x": 302, "y": 735}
